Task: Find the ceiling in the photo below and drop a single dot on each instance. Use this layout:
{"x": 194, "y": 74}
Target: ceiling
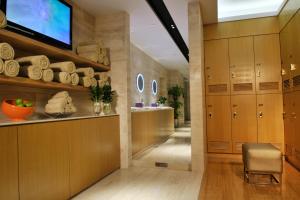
{"x": 147, "y": 32}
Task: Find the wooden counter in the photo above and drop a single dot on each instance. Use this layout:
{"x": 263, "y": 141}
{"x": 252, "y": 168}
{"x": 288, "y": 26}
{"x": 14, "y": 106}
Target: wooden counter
{"x": 150, "y": 127}
{"x": 57, "y": 160}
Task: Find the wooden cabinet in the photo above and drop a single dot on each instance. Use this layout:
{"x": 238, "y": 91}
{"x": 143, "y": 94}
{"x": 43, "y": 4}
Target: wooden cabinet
{"x": 241, "y": 55}
{"x": 9, "y": 163}
{"x": 270, "y": 123}
{"x": 289, "y": 120}
{"x": 150, "y": 128}
{"x": 44, "y": 161}
{"x": 217, "y": 67}
{"x": 267, "y": 64}
{"x": 244, "y": 121}
{"x": 94, "y": 151}
{"x": 218, "y": 120}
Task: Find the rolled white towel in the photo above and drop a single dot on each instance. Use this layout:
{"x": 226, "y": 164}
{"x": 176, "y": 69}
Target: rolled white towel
{"x": 74, "y": 79}
{"x": 63, "y": 101}
{"x": 33, "y": 72}
{"x": 54, "y": 108}
{"x": 48, "y": 75}
{"x": 94, "y": 82}
{"x": 62, "y": 77}
{"x": 11, "y": 68}
{"x": 62, "y": 94}
{"x": 85, "y": 81}
{"x": 88, "y": 71}
{"x": 6, "y": 51}
{"x": 41, "y": 61}
{"x": 67, "y": 66}
{"x": 1, "y": 66}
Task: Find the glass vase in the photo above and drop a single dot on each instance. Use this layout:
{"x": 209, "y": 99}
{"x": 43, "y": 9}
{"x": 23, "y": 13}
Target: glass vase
{"x": 97, "y": 108}
{"x": 107, "y": 108}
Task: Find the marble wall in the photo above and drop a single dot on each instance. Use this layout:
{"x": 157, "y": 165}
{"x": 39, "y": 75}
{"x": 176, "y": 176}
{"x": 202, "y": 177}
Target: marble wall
{"x": 197, "y": 88}
{"x": 113, "y": 31}
{"x": 140, "y": 62}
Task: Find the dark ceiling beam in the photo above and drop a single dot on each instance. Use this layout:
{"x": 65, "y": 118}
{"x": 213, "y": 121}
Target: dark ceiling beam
{"x": 161, "y": 11}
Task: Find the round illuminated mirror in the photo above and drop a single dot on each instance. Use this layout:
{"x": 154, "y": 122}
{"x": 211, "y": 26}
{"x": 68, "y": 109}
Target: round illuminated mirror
{"x": 154, "y": 87}
{"x": 140, "y": 82}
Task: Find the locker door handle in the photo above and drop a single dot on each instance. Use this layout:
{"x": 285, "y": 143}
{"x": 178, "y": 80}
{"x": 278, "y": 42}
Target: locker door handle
{"x": 260, "y": 114}
{"x": 232, "y": 75}
{"x": 258, "y": 73}
{"x": 234, "y": 115}
{"x": 210, "y": 115}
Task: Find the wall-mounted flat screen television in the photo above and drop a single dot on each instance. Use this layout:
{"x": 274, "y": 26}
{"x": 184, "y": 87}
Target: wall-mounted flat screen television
{"x": 49, "y": 21}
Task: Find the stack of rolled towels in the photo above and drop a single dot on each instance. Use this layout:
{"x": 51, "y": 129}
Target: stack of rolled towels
{"x": 8, "y": 66}
{"x": 36, "y": 68}
{"x": 102, "y": 78}
{"x": 94, "y": 52}
{"x": 86, "y": 76}
{"x": 60, "y": 103}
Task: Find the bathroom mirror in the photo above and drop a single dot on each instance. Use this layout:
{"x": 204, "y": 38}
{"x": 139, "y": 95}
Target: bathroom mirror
{"x": 154, "y": 87}
{"x": 140, "y": 82}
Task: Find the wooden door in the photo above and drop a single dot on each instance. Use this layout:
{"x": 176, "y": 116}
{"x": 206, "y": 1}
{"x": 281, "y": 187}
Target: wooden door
{"x": 44, "y": 161}
{"x": 285, "y": 48}
{"x": 289, "y": 122}
{"x": 244, "y": 121}
{"x": 9, "y": 163}
{"x": 218, "y": 119}
{"x": 296, "y": 136}
{"x": 270, "y": 120}
{"x": 241, "y": 55}
{"x": 217, "y": 67}
{"x": 267, "y": 64}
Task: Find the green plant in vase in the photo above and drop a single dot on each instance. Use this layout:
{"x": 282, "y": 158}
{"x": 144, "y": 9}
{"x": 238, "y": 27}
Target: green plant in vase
{"x": 107, "y": 98}
{"x": 162, "y": 101}
{"x": 97, "y": 94}
{"x": 175, "y": 93}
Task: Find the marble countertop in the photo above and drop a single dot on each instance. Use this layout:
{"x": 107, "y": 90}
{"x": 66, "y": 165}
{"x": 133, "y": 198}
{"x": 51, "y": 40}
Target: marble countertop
{"x": 148, "y": 109}
{"x": 7, "y": 122}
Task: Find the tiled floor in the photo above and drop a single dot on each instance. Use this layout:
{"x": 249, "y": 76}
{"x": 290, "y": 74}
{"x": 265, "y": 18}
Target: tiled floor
{"x": 176, "y": 152}
{"x": 137, "y": 183}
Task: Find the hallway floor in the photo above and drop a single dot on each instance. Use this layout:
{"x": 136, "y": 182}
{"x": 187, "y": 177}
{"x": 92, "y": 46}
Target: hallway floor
{"x": 137, "y": 183}
{"x": 175, "y": 152}
{"x": 224, "y": 181}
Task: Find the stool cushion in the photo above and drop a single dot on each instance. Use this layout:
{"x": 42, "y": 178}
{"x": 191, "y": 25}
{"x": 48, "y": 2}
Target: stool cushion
{"x": 262, "y": 158}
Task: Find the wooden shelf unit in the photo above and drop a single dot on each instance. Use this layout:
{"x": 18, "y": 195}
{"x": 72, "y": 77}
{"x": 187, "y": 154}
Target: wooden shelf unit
{"x": 35, "y": 47}
{"x": 26, "y": 82}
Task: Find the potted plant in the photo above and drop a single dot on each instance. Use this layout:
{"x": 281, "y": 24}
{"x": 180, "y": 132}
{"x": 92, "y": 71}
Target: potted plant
{"x": 175, "y": 93}
{"x": 162, "y": 101}
{"x": 97, "y": 94}
{"x": 107, "y": 98}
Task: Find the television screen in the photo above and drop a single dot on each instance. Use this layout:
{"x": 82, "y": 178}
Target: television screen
{"x": 51, "y": 18}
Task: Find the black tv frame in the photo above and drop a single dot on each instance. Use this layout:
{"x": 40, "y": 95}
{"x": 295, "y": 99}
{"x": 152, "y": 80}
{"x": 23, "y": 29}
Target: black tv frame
{"x": 11, "y": 26}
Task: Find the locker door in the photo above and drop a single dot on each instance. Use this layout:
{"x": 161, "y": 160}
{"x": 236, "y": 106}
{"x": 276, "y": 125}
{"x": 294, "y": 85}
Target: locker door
{"x": 267, "y": 64}
{"x": 270, "y": 122}
{"x": 217, "y": 67}
{"x": 219, "y": 124}
{"x": 241, "y": 55}
{"x": 294, "y": 42}
{"x": 289, "y": 121}
{"x": 244, "y": 121}
{"x": 296, "y": 136}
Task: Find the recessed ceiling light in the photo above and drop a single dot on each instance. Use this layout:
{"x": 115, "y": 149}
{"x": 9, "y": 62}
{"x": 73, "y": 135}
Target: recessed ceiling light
{"x": 172, "y": 26}
{"x": 231, "y": 10}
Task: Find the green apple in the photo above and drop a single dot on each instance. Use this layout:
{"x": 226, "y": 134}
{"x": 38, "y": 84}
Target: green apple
{"x": 19, "y": 102}
{"x": 28, "y": 104}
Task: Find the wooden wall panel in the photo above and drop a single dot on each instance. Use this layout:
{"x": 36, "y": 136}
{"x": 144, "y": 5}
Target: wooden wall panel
{"x": 44, "y": 161}
{"x": 288, "y": 11}
{"x": 251, "y": 27}
{"x": 9, "y": 164}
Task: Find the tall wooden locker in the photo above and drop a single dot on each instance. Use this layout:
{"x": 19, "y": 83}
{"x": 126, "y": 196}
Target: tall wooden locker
{"x": 218, "y": 124}
{"x": 285, "y": 47}
{"x": 241, "y": 56}
{"x": 244, "y": 121}
{"x": 296, "y": 137}
{"x": 270, "y": 123}
{"x": 267, "y": 64}
{"x": 217, "y": 67}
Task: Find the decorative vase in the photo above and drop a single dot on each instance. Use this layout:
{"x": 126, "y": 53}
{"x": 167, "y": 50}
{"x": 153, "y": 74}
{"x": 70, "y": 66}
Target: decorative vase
{"x": 161, "y": 105}
{"x": 97, "y": 108}
{"x": 107, "y": 108}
